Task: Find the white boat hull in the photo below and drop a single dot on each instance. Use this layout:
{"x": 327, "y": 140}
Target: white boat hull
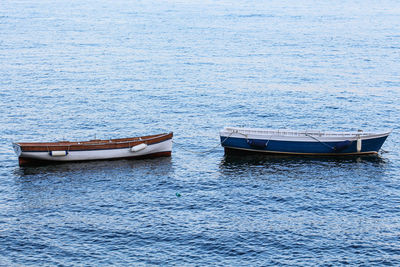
{"x": 165, "y": 146}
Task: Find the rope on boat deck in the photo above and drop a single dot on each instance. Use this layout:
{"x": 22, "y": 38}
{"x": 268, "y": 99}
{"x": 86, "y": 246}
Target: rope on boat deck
{"x": 247, "y": 137}
{"x": 202, "y": 152}
{"x": 325, "y": 144}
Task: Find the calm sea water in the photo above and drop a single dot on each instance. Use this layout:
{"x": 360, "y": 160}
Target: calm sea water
{"x": 79, "y": 69}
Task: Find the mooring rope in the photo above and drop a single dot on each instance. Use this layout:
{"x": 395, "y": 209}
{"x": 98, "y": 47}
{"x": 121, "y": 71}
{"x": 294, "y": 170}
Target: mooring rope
{"x": 202, "y": 152}
{"x": 325, "y": 144}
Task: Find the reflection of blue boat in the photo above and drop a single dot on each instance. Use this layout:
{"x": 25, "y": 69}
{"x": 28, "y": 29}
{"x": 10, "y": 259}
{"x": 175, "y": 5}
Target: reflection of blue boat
{"x": 301, "y": 142}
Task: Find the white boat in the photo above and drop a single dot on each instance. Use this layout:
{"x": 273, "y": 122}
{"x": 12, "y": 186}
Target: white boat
{"x": 159, "y": 145}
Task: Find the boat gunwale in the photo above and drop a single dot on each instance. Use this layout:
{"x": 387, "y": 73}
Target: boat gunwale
{"x": 295, "y": 133}
{"x": 93, "y": 144}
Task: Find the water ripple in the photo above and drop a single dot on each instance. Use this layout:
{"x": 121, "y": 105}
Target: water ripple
{"x": 76, "y": 70}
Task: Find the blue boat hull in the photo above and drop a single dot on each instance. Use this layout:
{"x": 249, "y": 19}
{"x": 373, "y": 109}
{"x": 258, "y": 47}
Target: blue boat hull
{"x": 369, "y": 146}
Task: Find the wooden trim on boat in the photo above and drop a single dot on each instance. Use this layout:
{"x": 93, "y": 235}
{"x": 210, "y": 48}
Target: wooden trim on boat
{"x": 94, "y": 144}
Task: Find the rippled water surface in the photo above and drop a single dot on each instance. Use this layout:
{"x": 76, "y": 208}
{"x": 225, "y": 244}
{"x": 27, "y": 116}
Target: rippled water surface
{"x": 79, "y": 69}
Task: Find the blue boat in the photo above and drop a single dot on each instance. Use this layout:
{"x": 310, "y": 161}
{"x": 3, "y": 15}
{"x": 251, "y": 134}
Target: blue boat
{"x": 235, "y": 139}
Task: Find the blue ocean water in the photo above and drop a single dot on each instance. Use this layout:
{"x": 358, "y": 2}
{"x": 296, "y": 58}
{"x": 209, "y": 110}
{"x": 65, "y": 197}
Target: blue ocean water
{"x": 79, "y": 69}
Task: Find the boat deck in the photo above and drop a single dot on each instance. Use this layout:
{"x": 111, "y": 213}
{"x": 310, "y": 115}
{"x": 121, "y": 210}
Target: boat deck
{"x": 272, "y": 132}
{"x": 94, "y": 141}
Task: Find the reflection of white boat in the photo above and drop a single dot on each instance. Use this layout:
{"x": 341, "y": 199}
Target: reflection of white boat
{"x": 301, "y": 142}
{"x": 64, "y": 151}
